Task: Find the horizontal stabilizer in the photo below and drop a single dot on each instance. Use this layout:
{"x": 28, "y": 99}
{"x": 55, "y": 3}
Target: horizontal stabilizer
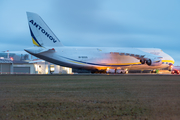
{"x": 39, "y": 50}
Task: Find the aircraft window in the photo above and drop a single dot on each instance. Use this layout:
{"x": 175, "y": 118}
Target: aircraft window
{"x": 166, "y": 62}
{"x": 162, "y": 62}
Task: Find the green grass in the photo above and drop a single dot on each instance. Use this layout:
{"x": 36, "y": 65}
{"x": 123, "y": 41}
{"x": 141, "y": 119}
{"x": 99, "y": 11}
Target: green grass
{"x": 89, "y": 97}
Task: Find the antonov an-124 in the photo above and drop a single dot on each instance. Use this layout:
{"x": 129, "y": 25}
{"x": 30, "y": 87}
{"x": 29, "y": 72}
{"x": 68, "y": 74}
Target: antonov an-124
{"x": 96, "y": 59}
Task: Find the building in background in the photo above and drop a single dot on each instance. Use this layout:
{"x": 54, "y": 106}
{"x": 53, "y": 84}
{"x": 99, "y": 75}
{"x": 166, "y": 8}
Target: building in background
{"x": 24, "y": 63}
{"x": 43, "y": 67}
{"x": 6, "y": 66}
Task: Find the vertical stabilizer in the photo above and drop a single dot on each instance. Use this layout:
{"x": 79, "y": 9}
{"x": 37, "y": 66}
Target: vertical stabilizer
{"x": 41, "y": 34}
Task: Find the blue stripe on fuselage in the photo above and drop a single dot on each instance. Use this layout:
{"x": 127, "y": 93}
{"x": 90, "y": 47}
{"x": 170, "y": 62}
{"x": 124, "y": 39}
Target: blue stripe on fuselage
{"x": 96, "y": 64}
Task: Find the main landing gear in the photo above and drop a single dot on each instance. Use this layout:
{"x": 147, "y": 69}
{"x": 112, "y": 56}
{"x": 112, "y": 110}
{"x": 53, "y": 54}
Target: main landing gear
{"x": 111, "y": 71}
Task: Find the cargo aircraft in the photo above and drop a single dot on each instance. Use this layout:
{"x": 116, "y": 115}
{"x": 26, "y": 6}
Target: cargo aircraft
{"x": 97, "y": 59}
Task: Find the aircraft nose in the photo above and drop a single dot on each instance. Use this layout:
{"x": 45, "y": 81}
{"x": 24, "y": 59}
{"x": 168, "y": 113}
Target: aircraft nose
{"x": 170, "y": 58}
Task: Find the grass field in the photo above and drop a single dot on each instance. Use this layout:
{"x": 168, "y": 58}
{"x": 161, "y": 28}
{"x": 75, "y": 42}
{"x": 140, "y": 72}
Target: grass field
{"x": 89, "y": 97}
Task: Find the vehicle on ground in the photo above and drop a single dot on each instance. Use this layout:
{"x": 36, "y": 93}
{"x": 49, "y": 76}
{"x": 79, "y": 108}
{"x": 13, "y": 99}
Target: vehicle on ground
{"x": 175, "y": 71}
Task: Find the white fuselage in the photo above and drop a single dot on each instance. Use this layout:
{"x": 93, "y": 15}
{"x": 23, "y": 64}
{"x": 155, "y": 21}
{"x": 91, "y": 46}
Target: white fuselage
{"x": 50, "y": 48}
{"x": 100, "y": 58}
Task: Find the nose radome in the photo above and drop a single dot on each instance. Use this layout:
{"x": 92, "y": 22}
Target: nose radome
{"x": 170, "y": 58}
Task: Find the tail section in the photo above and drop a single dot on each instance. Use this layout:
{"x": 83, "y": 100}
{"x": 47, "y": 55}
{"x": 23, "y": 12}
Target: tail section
{"x": 41, "y": 34}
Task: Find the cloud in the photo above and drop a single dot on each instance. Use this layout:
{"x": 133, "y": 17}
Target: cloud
{"x": 95, "y": 23}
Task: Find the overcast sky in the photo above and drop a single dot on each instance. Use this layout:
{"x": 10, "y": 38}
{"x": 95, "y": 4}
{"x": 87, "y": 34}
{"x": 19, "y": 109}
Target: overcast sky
{"x": 104, "y": 23}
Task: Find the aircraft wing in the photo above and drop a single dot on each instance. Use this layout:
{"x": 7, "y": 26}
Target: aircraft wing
{"x": 144, "y": 57}
{"x": 134, "y": 52}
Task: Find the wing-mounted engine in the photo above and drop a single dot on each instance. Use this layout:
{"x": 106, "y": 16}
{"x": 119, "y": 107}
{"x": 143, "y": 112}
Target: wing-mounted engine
{"x": 151, "y": 61}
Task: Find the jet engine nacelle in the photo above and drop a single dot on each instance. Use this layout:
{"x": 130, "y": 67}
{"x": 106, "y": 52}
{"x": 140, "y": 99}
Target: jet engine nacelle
{"x": 153, "y": 62}
{"x": 142, "y": 61}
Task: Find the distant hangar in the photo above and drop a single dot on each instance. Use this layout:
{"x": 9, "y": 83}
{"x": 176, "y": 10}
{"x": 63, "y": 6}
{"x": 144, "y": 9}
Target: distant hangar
{"x": 16, "y": 63}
